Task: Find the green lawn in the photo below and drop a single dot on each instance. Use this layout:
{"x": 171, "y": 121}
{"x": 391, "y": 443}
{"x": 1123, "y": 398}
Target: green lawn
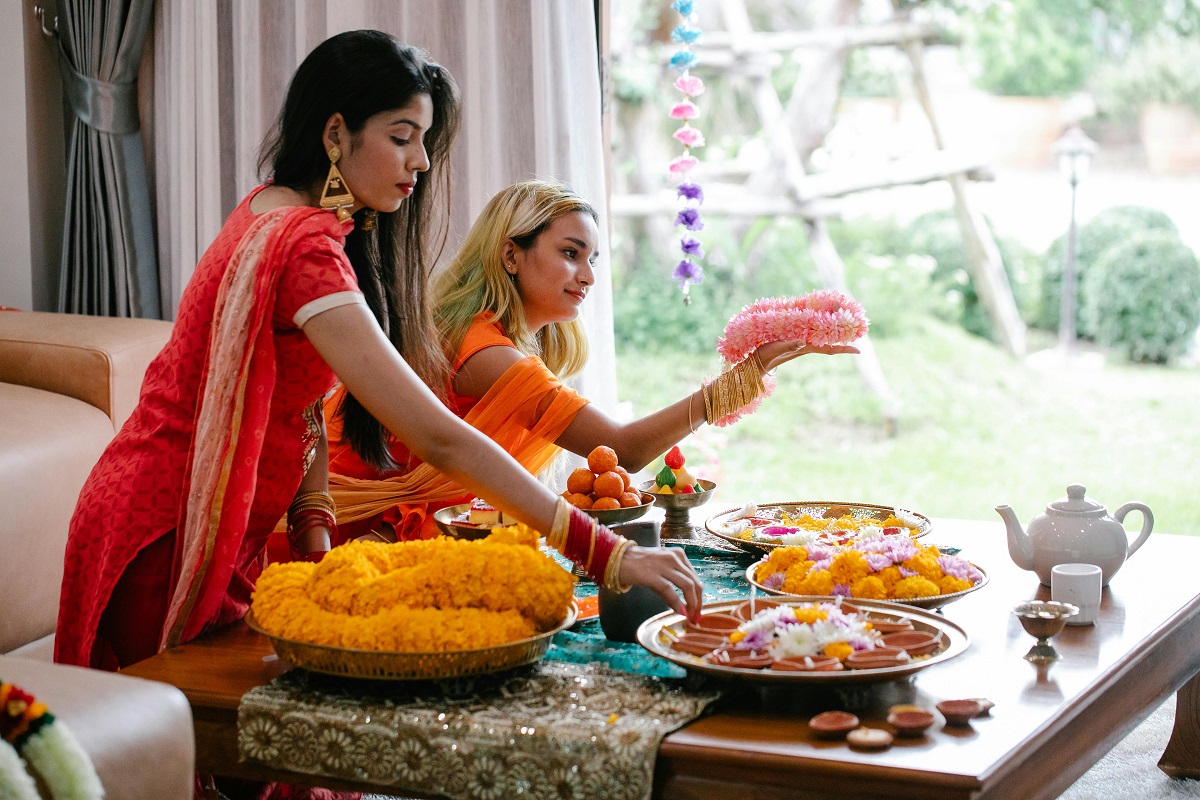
{"x": 976, "y": 429}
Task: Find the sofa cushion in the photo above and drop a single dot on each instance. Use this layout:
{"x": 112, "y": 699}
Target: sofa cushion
{"x": 99, "y": 360}
{"x": 138, "y": 733}
{"x": 48, "y": 445}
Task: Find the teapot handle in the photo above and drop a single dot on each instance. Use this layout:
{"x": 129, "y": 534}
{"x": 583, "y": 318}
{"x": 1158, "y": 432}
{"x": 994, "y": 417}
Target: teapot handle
{"x": 1147, "y": 523}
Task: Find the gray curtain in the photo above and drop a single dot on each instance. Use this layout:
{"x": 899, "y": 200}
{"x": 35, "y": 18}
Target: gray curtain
{"x": 108, "y": 255}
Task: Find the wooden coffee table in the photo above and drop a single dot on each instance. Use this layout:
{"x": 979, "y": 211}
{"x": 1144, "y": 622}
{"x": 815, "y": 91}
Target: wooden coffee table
{"x": 1047, "y": 728}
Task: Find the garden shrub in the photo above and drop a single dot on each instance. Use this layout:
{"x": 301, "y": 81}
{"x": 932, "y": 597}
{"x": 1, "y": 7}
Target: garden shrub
{"x": 1108, "y": 228}
{"x": 937, "y": 234}
{"x": 1027, "y": 47}
{"x": 1144, "y": 297}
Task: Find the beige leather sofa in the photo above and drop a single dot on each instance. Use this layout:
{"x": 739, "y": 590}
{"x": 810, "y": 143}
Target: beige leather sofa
{"x": 67, "y": 383}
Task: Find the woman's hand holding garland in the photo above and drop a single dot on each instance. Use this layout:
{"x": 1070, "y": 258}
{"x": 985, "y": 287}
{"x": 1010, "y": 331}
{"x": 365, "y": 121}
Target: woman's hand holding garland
{"x": 770, "y": 332}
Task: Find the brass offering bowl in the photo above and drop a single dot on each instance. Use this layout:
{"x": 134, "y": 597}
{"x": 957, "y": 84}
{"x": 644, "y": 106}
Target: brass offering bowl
{"x": 1043, "y": 619}
{"x": 676, "y": 507}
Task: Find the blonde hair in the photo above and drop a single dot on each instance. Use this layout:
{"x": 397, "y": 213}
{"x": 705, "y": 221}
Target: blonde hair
{"x": 476, "y": 280}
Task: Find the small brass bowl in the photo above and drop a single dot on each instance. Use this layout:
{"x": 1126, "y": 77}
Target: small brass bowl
{"x": 1043, "y": 619}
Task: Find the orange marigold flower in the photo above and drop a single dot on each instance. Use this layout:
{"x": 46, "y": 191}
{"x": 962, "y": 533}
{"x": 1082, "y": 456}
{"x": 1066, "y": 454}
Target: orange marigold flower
{"x": 925, "y": 564}
{"x": 950, "y": 584}
{"x": 838, "y": 650}
{"x": 816, "y": 582}
{"x": 915, "y": 586}
{"x": 870, "y": 588}
{"x": 848, "y": 566}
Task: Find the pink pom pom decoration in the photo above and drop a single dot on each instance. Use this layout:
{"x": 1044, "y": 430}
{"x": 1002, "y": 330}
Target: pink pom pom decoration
{"x": 821, "y": 318}
{"x": 689, "y": 136}
{"x": 682, "y": 165}
{"x": 690, "y": 85}
{"x": 685, "y": 110}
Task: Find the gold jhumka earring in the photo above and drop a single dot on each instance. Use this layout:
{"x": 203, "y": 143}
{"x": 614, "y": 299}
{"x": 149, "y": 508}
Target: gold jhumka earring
{"x": 336, "y": 194}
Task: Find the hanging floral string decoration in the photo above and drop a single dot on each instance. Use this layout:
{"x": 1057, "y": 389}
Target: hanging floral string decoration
{"x": 688, "y": 271}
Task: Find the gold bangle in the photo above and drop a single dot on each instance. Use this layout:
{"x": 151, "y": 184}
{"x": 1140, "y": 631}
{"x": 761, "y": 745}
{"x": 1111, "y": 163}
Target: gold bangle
{"x": 612, "y": 572}
{"x": 691, "y": 397}
{"x": 561, "y": 525}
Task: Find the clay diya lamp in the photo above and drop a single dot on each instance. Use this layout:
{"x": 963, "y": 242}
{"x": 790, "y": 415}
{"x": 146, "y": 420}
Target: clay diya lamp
{"x": 833, "y": 724}
{"x": 744, "y": 613}
{"x": 915, "y": 643}
{"x": 714, "y": 624}
{"x": 869, "y": 738}
{"x": 808, "y": 664}
{"x": 881, "y": 657}
{"x": 740, "y": 659}
{"x": 910, "y": 723}
{"x": 698, "y": 644}
{"x": 887, "y": 625}
{"x": 959, "y": 712}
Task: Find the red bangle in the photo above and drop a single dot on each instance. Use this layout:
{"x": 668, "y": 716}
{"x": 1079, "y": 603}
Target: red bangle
{"x": 606, "y": 541}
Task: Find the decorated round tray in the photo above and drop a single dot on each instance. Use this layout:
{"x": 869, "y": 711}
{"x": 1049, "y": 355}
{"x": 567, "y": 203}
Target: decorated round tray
{"x": 657, "y": 634}
{"x": 392, "y": 666}
{"x": 936, "y": 601}
{"x": 775, "y": 515}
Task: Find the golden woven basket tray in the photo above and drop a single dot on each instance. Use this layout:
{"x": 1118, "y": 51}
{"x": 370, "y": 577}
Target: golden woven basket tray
{"x": 398, "y": 666}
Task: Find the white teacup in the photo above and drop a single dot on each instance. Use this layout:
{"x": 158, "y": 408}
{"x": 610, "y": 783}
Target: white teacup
{"x": 1080, "y": 585}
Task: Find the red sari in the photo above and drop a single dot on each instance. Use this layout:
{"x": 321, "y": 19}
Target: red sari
{"x": 175, "y": 516}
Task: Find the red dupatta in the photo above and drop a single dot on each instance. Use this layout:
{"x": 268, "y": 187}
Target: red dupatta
{"x": 231, "y": 420}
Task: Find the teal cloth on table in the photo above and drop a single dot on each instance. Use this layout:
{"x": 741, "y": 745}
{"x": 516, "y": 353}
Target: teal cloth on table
{"x": 724, "y": 577}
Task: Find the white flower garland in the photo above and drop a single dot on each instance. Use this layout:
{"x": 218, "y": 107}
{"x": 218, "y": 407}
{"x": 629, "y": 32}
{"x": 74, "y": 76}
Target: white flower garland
{"x": 35, "y": 743}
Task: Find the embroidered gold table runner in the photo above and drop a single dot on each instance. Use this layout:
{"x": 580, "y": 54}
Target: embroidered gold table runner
{"x": 549, "y": 730}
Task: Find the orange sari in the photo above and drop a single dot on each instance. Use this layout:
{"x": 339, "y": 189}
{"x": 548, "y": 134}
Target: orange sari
{"x": 524, "y": 412}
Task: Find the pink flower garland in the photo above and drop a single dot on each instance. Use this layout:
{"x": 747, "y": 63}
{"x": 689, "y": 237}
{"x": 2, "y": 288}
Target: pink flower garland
{"x": 819, "y": 319}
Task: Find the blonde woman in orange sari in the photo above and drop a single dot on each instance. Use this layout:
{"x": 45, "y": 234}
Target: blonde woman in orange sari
{"x": 507, "y": 308}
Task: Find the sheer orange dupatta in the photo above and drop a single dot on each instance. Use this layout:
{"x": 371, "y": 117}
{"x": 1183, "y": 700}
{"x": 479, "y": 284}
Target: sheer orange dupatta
{"x": 508, "y": 414}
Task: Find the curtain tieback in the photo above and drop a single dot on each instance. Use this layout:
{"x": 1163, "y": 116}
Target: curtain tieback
{"x": 104, "y": 106}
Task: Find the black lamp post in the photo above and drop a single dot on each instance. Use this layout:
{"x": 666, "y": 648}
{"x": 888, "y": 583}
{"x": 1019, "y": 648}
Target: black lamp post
{"x": 1075, "y": 151}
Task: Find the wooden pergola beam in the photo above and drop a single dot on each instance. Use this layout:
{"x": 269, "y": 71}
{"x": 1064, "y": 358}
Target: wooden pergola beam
{"x": 838, "y": 37}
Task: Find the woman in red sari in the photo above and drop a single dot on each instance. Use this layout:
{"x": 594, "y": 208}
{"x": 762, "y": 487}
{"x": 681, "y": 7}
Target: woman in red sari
{"x": 316, "y": 277}
{"x": 507, "y": 309}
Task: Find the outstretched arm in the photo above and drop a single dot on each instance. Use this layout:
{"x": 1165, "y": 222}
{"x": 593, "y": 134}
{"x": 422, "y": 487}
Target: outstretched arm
{"x": 636, "y": 443}
{"x": 353, "y": 345}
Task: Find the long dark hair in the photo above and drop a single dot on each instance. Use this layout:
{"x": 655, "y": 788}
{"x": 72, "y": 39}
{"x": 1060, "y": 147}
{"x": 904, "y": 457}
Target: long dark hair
{"x": 359, "y": 74}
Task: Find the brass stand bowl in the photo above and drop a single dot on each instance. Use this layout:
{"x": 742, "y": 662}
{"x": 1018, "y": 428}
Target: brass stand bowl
{"x": 675, "y": 523}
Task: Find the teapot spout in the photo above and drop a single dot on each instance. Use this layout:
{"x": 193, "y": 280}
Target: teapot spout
{"x": 1020, "y": 549}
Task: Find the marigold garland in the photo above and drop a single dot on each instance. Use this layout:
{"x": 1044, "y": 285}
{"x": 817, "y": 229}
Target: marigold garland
{"x": 33, "y": 742}
{"x": 884, "y": 567}
{"x": 417, "y": 596}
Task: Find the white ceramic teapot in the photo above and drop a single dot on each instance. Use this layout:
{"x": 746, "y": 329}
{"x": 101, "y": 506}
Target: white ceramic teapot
{"x": 1074, "y": 529}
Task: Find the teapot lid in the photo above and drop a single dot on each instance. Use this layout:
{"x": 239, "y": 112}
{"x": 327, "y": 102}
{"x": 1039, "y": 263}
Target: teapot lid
{"x": 1075, "y": 502}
